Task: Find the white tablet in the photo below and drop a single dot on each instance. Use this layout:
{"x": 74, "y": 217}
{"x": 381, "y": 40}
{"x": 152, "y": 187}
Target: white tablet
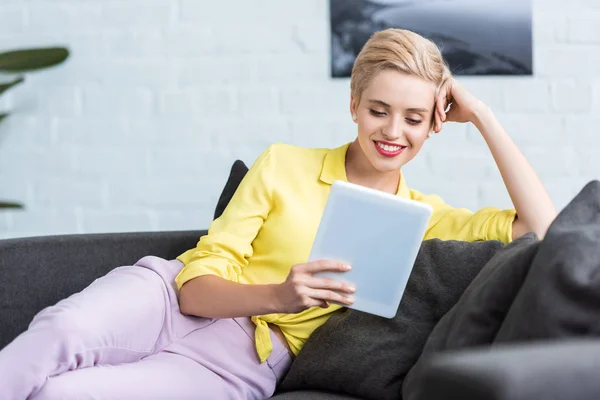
{"x": 379, "y": 234}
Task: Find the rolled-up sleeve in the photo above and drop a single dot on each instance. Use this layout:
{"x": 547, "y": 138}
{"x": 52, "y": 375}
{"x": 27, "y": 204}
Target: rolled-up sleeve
{"x": 449, "y": 223}
{"x": 225, "y": 250}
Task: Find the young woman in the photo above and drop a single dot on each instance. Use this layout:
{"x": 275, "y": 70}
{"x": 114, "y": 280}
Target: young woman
{"x": 225, "y": 320}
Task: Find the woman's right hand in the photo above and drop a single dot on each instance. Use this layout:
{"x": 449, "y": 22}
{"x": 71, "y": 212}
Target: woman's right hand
{"x": 301, "y": 290}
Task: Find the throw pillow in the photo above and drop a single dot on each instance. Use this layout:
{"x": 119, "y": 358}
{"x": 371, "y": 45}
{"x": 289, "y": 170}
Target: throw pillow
{"x": 561, "y": 295}
{"x": 236, "y": 174}
{"x": 367, "y": 356}
{"x": 476, "y": 318}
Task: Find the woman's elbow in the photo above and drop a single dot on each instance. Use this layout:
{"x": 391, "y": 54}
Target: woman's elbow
{"x": 194, "y": 297}
{"x": 189, "y": 300}
{"x": 520, "y": 228}
{"x": 184, "y": 299}
{"x": 542, "y": 227}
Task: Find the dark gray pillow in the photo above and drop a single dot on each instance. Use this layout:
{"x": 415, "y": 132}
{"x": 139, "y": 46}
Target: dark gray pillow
{"x": 561, "y": 295}
{"x": 476, "y": 318}
{"x": 236, "y": 174}
{"x": 368, "y": 356}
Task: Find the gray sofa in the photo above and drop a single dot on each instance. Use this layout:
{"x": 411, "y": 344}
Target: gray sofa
{"x": 37, "y": 272}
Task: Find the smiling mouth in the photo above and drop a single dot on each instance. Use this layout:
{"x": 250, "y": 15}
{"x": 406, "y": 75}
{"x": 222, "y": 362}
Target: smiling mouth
{"x": 389, "y": 150}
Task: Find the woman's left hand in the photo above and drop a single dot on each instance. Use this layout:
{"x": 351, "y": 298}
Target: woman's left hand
{"x": 464, "y": 106}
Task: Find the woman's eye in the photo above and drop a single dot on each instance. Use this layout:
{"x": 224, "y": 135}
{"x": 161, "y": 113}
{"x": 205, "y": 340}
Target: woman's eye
{"x": 377, "y": 113}
{"x": 413, "y": 121}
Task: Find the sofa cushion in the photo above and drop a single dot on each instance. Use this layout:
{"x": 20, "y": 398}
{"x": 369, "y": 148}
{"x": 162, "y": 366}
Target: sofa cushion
{"x": 236, "y": 174}
{"x": 561, "y": 295}
{"x": 66, "y": 264}
{"x": 367, "y": 356}
{"x": 476, "y": 318}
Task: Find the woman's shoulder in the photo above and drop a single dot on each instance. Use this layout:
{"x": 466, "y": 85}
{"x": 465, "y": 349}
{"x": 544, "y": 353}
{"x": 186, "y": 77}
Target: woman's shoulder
{"x": 288, "y": 154}
{"x": 286, "y": 149}
{"x": 431, "y": 199}
{"x": 291, "y": 163}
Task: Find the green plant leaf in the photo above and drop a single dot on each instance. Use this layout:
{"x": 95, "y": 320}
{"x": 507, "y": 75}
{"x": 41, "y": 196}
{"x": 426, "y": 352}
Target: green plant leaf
{"x": 32, "y": 59}
{"x": 6, "y": 204}
{"x": 5, "y": 86}
{"x": 3, "y": 115}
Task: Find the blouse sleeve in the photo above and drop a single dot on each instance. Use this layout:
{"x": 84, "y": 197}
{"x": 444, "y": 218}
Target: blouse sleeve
{"x": 225, "y": 250}
{"x": 449, "y": 223}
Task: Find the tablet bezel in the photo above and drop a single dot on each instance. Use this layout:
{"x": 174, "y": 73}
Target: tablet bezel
{"x": 398, "y": 267}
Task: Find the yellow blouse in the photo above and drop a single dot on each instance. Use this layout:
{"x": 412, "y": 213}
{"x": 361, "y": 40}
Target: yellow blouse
{"x": 272, "y": 219}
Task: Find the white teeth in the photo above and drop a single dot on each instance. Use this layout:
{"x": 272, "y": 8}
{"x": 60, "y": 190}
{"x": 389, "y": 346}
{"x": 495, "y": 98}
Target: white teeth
{"x": 387, "y": 147}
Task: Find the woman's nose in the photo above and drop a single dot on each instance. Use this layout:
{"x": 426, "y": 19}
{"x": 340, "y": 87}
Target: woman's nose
{"x": 393, "y": 130}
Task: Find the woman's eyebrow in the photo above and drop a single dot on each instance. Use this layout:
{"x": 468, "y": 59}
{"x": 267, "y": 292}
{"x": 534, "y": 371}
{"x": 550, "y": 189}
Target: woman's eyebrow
{"x": 418, "y": 110}
{"x": 380, "y": 103}
{"x": 415, "y": 110}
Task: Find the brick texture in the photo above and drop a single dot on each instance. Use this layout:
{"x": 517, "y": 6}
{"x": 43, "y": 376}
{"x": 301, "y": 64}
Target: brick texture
{"x": 137, "y": 131}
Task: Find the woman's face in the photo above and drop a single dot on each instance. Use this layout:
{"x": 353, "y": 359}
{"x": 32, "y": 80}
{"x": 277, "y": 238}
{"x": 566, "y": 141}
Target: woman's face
{"x": 394, "y": 117}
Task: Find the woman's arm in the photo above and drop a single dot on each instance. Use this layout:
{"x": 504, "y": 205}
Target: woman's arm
{"x": 534, "y": 206}
{"x": 535, "y": 210}
{"x": 211, "y": 296}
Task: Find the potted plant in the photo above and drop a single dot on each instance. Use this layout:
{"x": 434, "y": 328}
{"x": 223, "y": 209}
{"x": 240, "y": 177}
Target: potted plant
{"x": 13, "y": 65}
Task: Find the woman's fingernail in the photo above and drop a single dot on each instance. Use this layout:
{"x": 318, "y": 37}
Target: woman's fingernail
{"x": 347, "y": 267}
{"x": 352, "y": 289}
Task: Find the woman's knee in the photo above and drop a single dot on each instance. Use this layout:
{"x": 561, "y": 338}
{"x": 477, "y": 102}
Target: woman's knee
{"x": 166, "y": 269}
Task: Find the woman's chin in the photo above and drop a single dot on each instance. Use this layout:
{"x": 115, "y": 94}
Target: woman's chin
{"x": 386, "y": 165}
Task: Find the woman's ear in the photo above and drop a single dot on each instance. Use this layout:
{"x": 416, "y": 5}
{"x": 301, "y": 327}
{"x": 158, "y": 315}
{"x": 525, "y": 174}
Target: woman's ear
{"x": 430, "y": 131}
{"x": 432, "y": 124}
{"x": 353, "y": 109}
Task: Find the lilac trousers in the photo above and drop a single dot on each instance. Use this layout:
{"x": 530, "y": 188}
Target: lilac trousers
{"x": 123, "y": 337}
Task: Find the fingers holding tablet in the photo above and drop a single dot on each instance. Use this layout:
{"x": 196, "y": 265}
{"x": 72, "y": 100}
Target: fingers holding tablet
{"x": 330, "y": 296}
{"x": 330, "y": 284}
{"x": 322, "y": 266}
{"x": 301, "y": 290}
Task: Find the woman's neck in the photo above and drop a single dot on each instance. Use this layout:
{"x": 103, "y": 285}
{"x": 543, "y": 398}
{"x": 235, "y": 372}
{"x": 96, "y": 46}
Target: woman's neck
{"x": 360, "y": 171}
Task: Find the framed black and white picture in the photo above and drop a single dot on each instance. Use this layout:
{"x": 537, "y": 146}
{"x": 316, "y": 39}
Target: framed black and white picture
{"x": 491, "y": 37}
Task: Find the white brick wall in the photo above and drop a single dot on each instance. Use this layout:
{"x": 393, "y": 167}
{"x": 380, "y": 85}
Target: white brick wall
{"x": 138, "y": 130}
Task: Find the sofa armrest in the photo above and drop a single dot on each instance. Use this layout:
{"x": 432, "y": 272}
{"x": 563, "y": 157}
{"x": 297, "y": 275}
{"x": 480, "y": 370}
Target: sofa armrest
{"x": 39, "y": 271}
{"x": 565, "y": 369}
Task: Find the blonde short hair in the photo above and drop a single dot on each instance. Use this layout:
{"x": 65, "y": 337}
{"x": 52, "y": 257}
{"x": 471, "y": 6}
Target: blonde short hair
{"x": 398, "y": 49}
